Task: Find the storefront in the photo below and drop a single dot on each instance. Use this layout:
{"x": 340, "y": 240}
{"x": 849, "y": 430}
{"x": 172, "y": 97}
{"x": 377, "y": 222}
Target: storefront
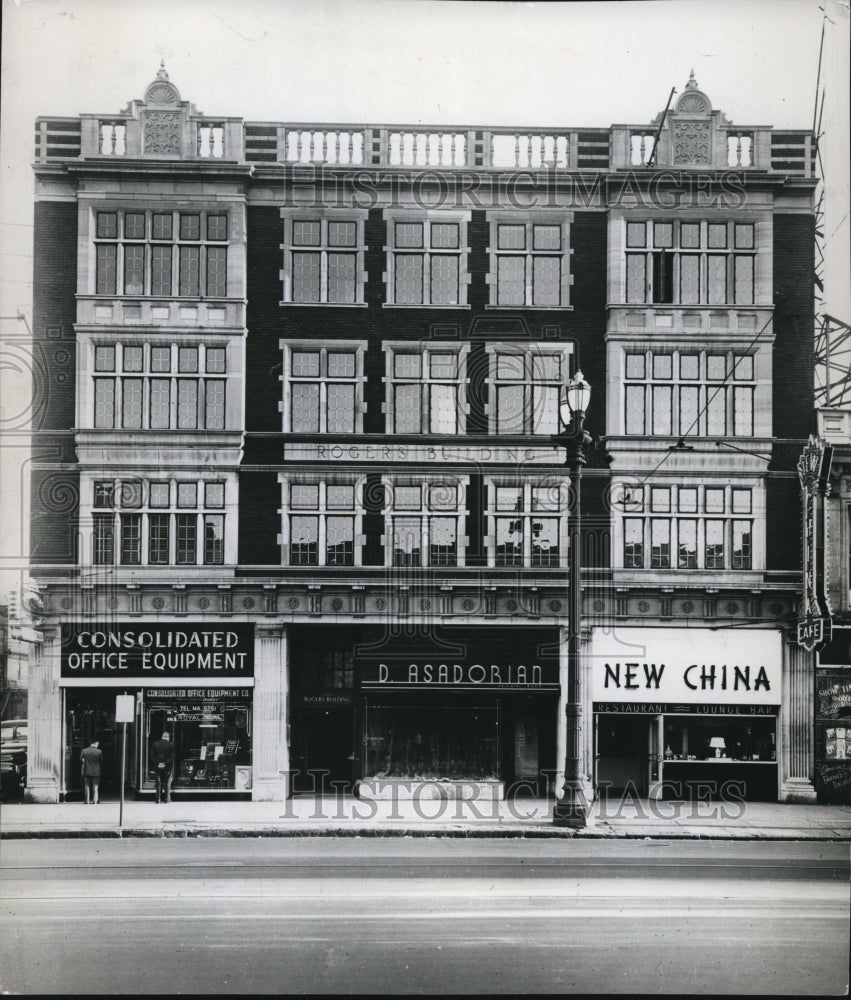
{"x": 833, "y": 719}
{"x": 685, "y": 713}
{"x": 192, "y": 680}
{"x": 446, "y": 705}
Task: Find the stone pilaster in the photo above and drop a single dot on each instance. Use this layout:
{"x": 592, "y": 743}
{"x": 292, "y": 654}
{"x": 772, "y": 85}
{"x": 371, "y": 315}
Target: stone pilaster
{"x": 44, "y": 716}
{"x": 270, "y": 752}
{"x": 796, "y": 750}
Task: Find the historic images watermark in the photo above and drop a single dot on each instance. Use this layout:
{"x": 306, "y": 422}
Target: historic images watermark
{"x": 324, "y": 186}
{"x": 432, "y": 800}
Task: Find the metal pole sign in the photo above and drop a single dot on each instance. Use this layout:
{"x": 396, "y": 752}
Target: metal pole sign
{"x": 125, "y": 711}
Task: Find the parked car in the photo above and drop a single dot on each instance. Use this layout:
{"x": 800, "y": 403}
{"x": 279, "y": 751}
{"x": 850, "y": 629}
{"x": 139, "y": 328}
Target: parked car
{"x": 13, "y": 758}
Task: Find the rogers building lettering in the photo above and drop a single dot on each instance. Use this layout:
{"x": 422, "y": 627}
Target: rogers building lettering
{"x": 193, "y": 650}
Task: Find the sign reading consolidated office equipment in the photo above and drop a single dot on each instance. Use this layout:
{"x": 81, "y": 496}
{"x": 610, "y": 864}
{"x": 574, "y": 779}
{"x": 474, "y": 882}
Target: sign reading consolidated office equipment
{"x": 687, "y": 666}
{"x": 158, "y": 652}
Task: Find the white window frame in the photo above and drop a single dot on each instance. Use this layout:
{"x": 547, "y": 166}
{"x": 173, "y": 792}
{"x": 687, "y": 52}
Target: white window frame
{"x": 323, "y": 216}
{"x": 703, "y": 251}
{"x": 526, "y": 351}
{"x": 425, "y": 350}
{"x": 529, "y": 219}
{"x": 715, "y": 391}
{"x": 633, "y": 500}
{"x": 148, "y": 242}
{"x": 120, "y": 375}
{"x": 425, "y": 513}
{"x": 322, "y": 512}
{"x": 558, "y": 489}
{"x": 323, "y": 348}
{"x": 145, "y": 509}
{"x": 426, "y": 218}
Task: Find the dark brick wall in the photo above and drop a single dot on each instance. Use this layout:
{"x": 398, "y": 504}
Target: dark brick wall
{"x": 54, "y": 313}
{"x": 269, "y": 322}
{"x": 54, "y": 491}
{"x": 783, "y": 523}
{"x": 54, "y": 515}
{"x": 794, "y": 323}
{"x": 259, "y": 521}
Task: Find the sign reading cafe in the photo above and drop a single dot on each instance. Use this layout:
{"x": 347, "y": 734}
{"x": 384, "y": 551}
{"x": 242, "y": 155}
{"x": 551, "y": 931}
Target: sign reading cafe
{"x": 158, "y": 650}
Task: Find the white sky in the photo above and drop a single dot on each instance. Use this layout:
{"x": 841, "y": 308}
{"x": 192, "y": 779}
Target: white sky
{"x": 410, "y": 61}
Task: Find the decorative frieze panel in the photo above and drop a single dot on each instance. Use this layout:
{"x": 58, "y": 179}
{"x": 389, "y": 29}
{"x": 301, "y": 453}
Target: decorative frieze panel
{"x": 162, "y": 133}
{"x": 691, "y": 142}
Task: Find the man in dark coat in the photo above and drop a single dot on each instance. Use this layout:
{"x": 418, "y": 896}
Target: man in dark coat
{"x": 162, "y": 763}
{"x": 91, "y": 760}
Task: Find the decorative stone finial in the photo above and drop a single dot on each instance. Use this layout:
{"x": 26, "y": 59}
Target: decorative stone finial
{"x": 692, "y": 83}
{"x": 161, "y": 73}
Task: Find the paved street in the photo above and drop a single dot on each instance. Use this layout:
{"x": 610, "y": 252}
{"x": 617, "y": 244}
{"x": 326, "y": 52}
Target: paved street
{"x": 344, "y": 915}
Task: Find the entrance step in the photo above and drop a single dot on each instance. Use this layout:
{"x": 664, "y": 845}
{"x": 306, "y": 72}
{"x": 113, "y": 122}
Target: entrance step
{"x": 419, "y": 789}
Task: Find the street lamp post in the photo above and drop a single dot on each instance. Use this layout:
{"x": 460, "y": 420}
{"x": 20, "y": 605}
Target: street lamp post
{"x": 570, "y": 810}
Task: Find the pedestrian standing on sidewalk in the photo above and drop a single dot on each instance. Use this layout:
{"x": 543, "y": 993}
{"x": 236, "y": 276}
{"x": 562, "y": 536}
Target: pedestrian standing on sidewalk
{"x": 92, "y": 761}
{"x": 162, "y": 759}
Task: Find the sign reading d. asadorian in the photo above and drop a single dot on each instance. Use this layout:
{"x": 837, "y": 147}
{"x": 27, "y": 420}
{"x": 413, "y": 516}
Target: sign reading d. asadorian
{"x": 687, "y": 666}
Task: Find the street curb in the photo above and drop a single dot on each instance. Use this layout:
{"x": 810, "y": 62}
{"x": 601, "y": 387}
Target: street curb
{"x": 530, "y": 834}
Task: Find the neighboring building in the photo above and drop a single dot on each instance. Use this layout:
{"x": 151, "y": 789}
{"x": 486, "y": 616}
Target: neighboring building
{"x": 833, "y": 674}
{"x": 295, "y": 484}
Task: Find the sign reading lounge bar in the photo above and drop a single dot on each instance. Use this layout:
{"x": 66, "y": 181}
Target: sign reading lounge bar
{"x": 458, "y": 676}
{"x": 158, "y": 650}
{"x": 687, "y": 666}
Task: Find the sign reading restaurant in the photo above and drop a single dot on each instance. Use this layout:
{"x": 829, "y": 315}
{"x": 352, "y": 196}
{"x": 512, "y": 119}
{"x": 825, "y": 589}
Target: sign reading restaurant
{"x": 158, "y": 650}
{"x": 687, "y": 666}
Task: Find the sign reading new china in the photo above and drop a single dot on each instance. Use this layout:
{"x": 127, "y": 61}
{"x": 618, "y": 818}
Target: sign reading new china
{"x": 158, "y": 650}
{"x": 691, "y": 666}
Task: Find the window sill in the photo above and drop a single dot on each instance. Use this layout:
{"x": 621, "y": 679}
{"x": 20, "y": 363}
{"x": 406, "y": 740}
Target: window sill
{"x": 567, "y": 308}
{"x": 323, "y": 305}
{"x": 421, "y": 305}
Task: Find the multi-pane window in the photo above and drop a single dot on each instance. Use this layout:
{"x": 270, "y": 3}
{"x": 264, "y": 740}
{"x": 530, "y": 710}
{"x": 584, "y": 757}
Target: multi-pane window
{"x": 322, "y": 522}
{"x": 525, "y": 383}
{"x": 425, "y": 523}
{"x": 426, "y": 389}
{"x": 323, "y": 257}
{"x": 159, "y": 386}
{"x": 687, "y": 527}
{"x": 683, "y": 392}
{"x": 323, "y": 388}
{"x": 158, "y": 522}
{"x": 161, "y": 253}
{"x": 527, "y": 523}
{"x": 697, "y": 262}
{"x": 530, "y": 261}
{"x": 426, "y": 260}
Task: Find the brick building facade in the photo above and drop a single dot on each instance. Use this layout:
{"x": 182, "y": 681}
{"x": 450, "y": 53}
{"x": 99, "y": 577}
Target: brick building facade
{"x": 297, "y": 484}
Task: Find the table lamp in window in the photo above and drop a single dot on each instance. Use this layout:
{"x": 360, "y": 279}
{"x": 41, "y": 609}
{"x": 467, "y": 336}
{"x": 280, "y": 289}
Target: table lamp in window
{"x": 717, "y": 744}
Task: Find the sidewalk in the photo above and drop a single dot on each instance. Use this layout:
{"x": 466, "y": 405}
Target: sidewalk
{"x": 350, "y": 817}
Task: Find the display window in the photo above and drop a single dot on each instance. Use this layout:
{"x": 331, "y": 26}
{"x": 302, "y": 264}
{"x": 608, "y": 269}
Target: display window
{"x": 211, "y": 734}
{"x": 418, "y": 742}
{"x": 724, "y": 738}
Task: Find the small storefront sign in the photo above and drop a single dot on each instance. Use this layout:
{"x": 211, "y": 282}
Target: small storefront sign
{"x": 156, "y": 651}
{"x": 659, "y": 708}
{"x": 687, "y": 666}
{"x": 424, "y": 674}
